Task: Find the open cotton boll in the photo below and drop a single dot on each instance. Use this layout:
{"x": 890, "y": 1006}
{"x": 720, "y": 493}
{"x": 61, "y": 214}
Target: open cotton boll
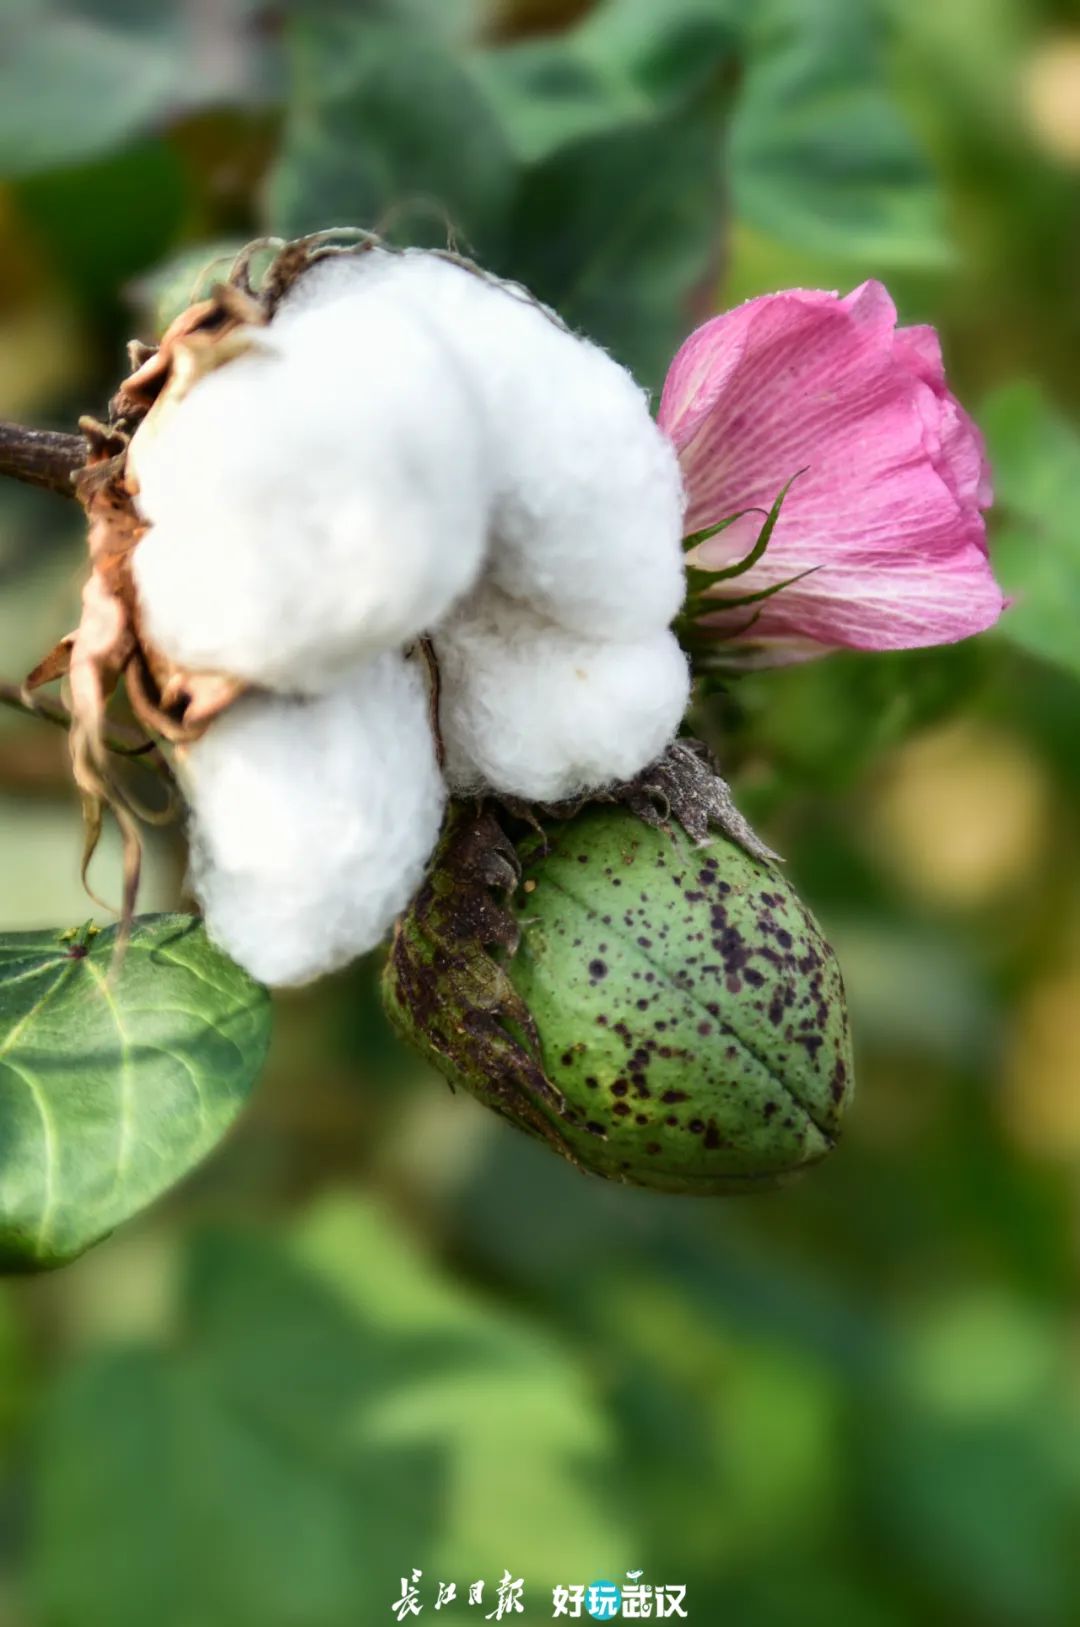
{"x": 312, "y": 501}
{"x": 535, "y": 711}
{"x": 312, "y": 820}
{"x": 588, "y": 516}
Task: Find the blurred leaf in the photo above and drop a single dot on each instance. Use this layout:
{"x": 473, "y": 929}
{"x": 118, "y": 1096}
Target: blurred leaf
{"x": 334, "y": 1414}
{"x": 912, "y": 994}
{"x": 627, "y": 61}
{"x": 517, "y": 1399}
{"x": 140, "y": 191}
{"x": 600, "y": 232}
{"x": 72, "y": 86}
{"x": 667, "y": 52}
{"x": 114, "y": 1086}
{"x": 549, "y": 94}
{"x": 823, "y": 723}
{"x": 1035, "y": 455}
{"x": 381, "y": 116}
{"x": 980, "y": 1509}
{"x": 164, "y": 1500}
{"x": 821, "y": 154}
{"x": 80, "y": 78}
{"x": 162, "y": 293}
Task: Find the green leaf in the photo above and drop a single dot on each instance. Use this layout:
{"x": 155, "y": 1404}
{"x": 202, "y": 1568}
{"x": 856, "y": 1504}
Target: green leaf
{"x": 821, "y": 156}
{"x": 383, "y": 116}
{"x": 1035, "y": 455}
{"x": 114, "y": 1085}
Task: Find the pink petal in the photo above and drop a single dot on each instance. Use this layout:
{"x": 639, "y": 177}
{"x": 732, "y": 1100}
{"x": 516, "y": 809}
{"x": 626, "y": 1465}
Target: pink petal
{"x": 886, "y": 515}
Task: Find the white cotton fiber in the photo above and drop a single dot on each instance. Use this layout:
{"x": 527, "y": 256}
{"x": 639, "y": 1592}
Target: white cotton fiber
{"x": 587, "y": 497}
{"x": 312, "y": 820}
{"x": 313, "y": 501}
{"x": 534, "y": 711}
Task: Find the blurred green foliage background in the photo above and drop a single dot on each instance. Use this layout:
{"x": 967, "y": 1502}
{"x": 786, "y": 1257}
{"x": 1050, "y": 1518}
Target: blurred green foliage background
{"x": 380, "y": 1330}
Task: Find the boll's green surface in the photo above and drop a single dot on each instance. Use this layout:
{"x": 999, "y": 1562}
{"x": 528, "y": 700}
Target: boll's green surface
{"x": 665, "y": 1014}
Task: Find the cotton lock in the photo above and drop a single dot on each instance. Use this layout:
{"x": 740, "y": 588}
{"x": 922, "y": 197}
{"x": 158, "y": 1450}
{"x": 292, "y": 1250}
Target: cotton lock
{"x": 313, "y": 501}
{"x": 544, "y": 714}
{"x": 586, "y": 500}
{"x": 312, "y": 819}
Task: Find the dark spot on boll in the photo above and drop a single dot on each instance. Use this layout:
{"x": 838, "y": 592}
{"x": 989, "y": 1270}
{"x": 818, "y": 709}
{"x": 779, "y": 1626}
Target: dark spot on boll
{"x": 704, "y": 1028}
{"x": 597, "y": 969}
{"x": 696, "y": 1125}
{"x": 595, "y": 1129}
{"x": 620, "y": 1087}
{"x": 652, "y": 1147}
{"x": 622, "y": 1108}
{"x": 641, "y": 1118}
{"x": 712, "y": 1136}
{"x": 675, "y": 1096}
{"x": 768, "y": 1110}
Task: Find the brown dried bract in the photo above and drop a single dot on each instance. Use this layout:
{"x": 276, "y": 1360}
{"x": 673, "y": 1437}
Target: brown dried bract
{"x": 110, "y": 642}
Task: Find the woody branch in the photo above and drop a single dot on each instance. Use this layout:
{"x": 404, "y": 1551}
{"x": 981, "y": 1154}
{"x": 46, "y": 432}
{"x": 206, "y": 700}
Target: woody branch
{"x": 41, "y": 457}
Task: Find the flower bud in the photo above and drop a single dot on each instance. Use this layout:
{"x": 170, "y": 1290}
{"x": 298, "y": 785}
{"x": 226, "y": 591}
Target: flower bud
{"x": 664, "y": 1013}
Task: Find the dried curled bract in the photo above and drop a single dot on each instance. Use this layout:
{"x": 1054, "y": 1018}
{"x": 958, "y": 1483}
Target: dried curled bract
{"x": 109, "y": 643}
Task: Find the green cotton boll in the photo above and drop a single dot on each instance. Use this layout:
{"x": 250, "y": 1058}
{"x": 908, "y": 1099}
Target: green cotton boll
{"x": 662, "y": 1013}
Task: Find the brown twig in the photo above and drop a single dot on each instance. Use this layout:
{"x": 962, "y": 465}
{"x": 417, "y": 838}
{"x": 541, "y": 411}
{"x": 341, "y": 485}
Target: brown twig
{"x": 41, "y": 457}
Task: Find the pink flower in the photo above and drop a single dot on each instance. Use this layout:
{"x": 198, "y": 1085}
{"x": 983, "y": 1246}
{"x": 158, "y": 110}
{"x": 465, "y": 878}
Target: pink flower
{"x": 886, "y": 517}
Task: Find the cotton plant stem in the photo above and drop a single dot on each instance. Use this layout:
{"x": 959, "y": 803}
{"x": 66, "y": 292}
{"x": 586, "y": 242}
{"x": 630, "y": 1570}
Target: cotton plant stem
{"x": 45, "y": 458}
